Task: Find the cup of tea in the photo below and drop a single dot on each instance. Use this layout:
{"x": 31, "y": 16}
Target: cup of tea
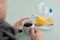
{"x": 27, "y": 25}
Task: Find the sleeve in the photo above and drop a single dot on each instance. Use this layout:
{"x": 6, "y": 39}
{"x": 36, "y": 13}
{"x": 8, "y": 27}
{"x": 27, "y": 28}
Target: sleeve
{"x": 7, "y": 32}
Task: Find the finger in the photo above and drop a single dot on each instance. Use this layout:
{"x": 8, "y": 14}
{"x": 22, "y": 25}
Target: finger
{"x": 39, "y": 31}
{"x": 32, "y": 31}
{"x": 36, "y": 30}
{"x": 24, "y": 19}
{"x": 20, "y": 21}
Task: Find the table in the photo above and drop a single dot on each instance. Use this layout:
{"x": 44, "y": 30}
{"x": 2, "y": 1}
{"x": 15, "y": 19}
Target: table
{"x": 17, "y": 9}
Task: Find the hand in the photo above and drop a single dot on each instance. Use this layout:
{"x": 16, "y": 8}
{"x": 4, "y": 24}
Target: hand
{"x": 36, "y": 34}
{"x": 19, "y": 23}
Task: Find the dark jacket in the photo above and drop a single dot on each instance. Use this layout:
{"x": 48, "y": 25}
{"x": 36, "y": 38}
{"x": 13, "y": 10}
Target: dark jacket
{"x": 7, "y": 32}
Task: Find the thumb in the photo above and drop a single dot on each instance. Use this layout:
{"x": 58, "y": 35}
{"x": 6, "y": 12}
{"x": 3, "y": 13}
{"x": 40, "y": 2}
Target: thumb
{"x": 32, "y": 31}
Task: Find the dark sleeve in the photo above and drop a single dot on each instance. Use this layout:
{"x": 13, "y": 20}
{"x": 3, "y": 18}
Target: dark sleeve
{"x": 7, "y": 32}
{"x": 6, "y": 26}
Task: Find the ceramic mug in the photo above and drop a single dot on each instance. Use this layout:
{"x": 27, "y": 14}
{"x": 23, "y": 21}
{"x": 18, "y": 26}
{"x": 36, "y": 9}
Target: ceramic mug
{"x": 27, "y": 25}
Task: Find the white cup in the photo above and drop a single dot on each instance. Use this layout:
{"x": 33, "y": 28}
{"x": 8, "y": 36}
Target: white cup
{"x": 26, "y": 28}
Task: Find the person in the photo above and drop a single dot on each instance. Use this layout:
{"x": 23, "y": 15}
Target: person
{"x": 8, "y": 32}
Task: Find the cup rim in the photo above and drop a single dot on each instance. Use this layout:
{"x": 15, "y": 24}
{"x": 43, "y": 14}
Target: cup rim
{"x": 25, "y": 21}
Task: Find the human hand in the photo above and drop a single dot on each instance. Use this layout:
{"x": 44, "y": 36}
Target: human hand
{"x": 36, "y": 34}
{"x": 19, "y": 23}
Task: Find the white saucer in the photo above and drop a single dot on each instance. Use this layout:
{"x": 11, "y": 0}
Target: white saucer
{"x": 43, "y": 27}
